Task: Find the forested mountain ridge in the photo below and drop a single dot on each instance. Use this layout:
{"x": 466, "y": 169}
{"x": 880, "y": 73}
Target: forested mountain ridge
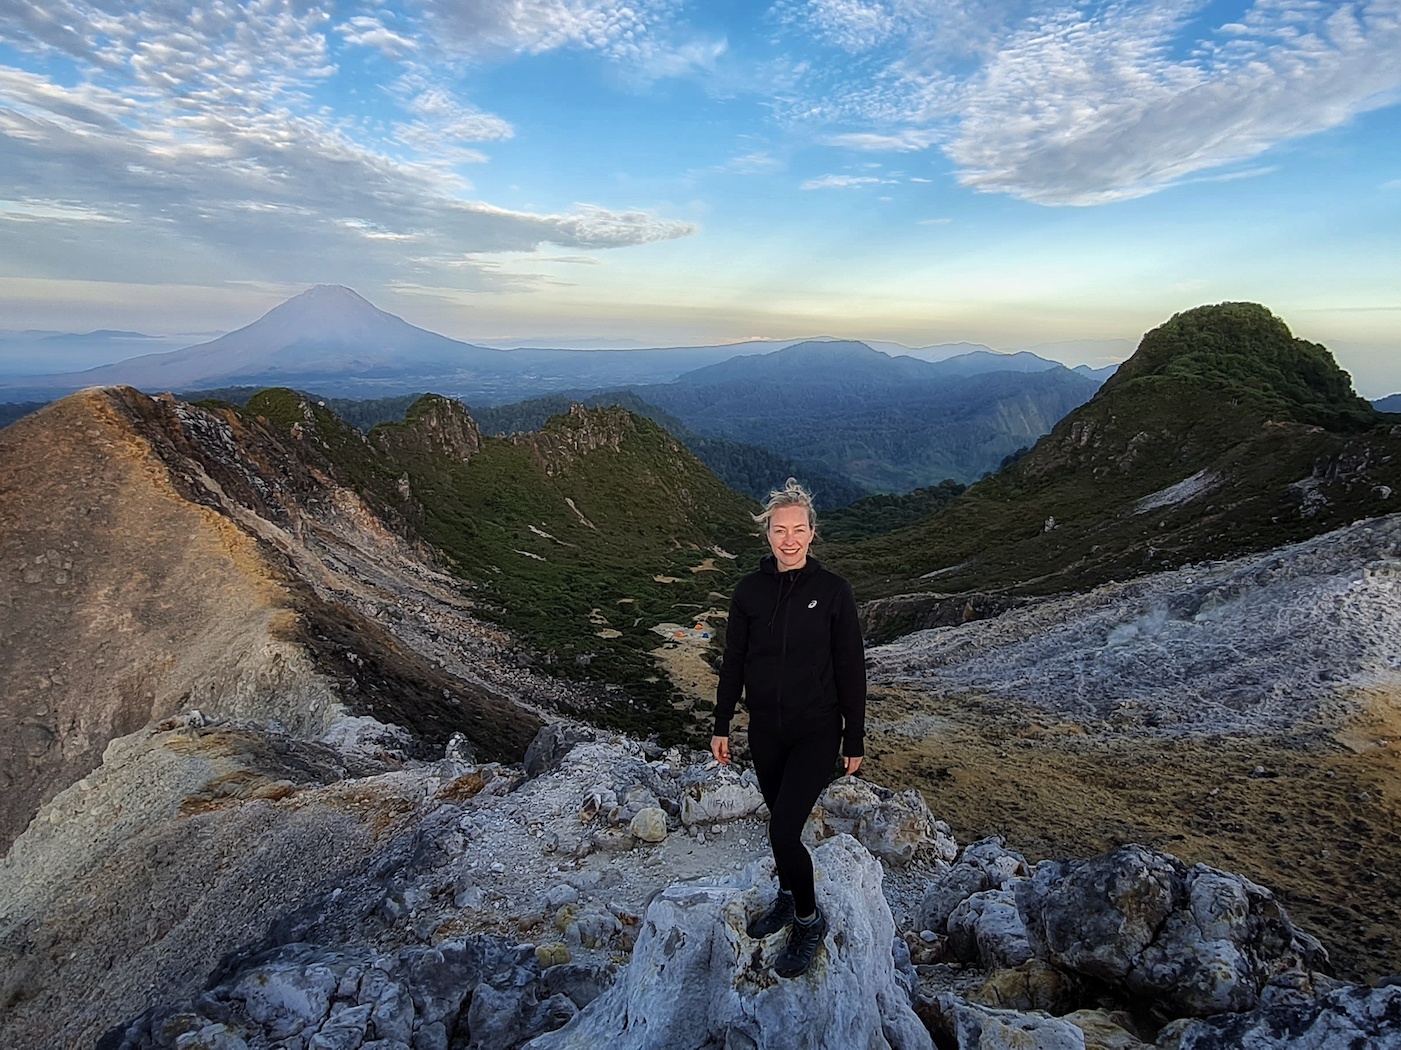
{"x": 748, "y": 469}
{"x": 890, "y": 424}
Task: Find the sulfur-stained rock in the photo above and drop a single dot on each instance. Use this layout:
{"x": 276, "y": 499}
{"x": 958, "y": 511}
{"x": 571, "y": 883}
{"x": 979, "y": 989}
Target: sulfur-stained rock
{"x": 892, "y": 825}
{"x": 553, "y": 954}
{"x": 649, "y": 825}
{"x": 1034, "y": 985}
{"x": 1105, "y": 1031}
{"x": 971, "y": 1027}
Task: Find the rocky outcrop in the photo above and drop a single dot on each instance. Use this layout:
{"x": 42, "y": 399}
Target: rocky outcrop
{"x": 1348, "y": 1017}
{"x": 883, "y": 619}
{"x": 983, "y": 865}
{"x": 1209, "y": 952}
{"x": 695, "y": 978}
{"x": 1196, "y": 941}
{"x": 215, "y": 884}
{"x": 121, "y": 602}
{"x": 481, "y": 991}
{"x": 435, "y": 425}
{"x": 892, "y": 825}
{"x": 582, "y": 430}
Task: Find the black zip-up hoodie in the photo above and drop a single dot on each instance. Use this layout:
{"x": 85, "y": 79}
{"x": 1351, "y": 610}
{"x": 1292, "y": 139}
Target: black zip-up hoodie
{"x": 793, "y": 648}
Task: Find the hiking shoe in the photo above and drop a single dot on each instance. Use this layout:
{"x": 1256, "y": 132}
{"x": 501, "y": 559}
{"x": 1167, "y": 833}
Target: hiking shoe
{"x": 779, "y": 915}
{"x": 803, "y": 940}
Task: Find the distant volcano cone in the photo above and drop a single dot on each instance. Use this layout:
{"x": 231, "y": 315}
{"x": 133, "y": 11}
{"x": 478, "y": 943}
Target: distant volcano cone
{"x": 326, "y": 332}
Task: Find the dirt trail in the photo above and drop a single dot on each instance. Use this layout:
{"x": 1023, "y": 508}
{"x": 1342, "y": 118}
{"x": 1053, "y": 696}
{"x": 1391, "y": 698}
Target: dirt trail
{"x": 1311, "y": 814}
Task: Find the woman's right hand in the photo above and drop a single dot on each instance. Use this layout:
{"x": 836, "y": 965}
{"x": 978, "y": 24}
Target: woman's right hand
{"x": 720, "y": 748}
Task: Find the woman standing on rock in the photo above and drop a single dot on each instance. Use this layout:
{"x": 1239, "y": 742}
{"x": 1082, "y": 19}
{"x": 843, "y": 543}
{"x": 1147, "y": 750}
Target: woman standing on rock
{"x": 793, "y": 649}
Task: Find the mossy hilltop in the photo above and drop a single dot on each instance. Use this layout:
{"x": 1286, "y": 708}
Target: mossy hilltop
{"x": 1262, "y": 432}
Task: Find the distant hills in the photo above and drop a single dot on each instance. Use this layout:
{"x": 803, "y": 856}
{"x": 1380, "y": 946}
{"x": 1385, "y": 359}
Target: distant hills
{"x": 888, "y": 423}
{"x": 34, "y": 353}
{"x": 847, "y": 417}
{"x": 1223, "y": 434}
{"x": 330, "y": 339}
{"x": 747, "y": 468}
{"x": 326, "y": 334}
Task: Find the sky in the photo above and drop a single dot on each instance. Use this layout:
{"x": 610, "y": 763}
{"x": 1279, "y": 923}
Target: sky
{"x": 664, "y": 172}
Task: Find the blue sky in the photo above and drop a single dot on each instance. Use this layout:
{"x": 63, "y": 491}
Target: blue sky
{"x": 1011, "y": 172}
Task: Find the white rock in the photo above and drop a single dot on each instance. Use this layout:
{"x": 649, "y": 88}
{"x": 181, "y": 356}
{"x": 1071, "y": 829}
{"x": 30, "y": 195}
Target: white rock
{"x": 891, "y": 825}
{"x": 696, "y": 979}
{"x": 720, "y": 799}
{"x": 558, "y": 896}
{"x": 987, "y": 929}
{"x": 284, "y": 999}
{"x": 986, "y": 1029}
{"x": 211, "y": 1037}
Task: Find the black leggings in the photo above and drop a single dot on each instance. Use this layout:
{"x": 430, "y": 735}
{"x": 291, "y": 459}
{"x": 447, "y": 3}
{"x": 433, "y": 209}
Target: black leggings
{"x": 792, "y": 774}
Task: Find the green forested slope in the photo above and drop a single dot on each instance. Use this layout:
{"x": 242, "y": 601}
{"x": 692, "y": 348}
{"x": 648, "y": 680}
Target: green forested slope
{"x": 566, "y": 530}
{"x": 1262, "y": 431}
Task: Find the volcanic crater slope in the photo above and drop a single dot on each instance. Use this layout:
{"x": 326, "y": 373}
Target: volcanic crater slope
{"x": 160, "y": 557}
{"x": 274, "y": 563}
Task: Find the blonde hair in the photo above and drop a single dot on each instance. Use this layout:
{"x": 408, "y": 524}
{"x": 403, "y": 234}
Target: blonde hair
{"x": 791, "y": 495}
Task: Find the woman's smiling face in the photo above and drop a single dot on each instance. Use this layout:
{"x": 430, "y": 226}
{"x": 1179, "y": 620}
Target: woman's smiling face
{"x": 789, "y": 537}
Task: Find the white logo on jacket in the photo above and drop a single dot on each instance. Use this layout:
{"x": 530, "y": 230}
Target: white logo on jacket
{"x": 812, "y": 604}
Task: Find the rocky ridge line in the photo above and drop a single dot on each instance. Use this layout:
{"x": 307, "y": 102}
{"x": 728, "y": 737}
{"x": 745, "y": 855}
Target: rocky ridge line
{"x": 462, "y": 905}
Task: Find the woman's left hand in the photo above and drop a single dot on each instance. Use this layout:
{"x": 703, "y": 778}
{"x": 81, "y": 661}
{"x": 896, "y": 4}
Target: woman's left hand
{"x": 852, "y": 765}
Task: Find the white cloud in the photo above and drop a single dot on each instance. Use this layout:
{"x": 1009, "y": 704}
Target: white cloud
{"x": 756, "y": 163}
{"x": 196, "y": 135}
{"x": 363, "y": 31}
{"x": 479, "y": 27}
{"x": 841, "y": 182}
{"x": 36, "y": 210}
{"x": 594, "y": 227}
{"x": 852, "y": 25}
{"x": 442, "y": 124}
{"x": 908, "y": 141}
{"x": 1104, "y": 100}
